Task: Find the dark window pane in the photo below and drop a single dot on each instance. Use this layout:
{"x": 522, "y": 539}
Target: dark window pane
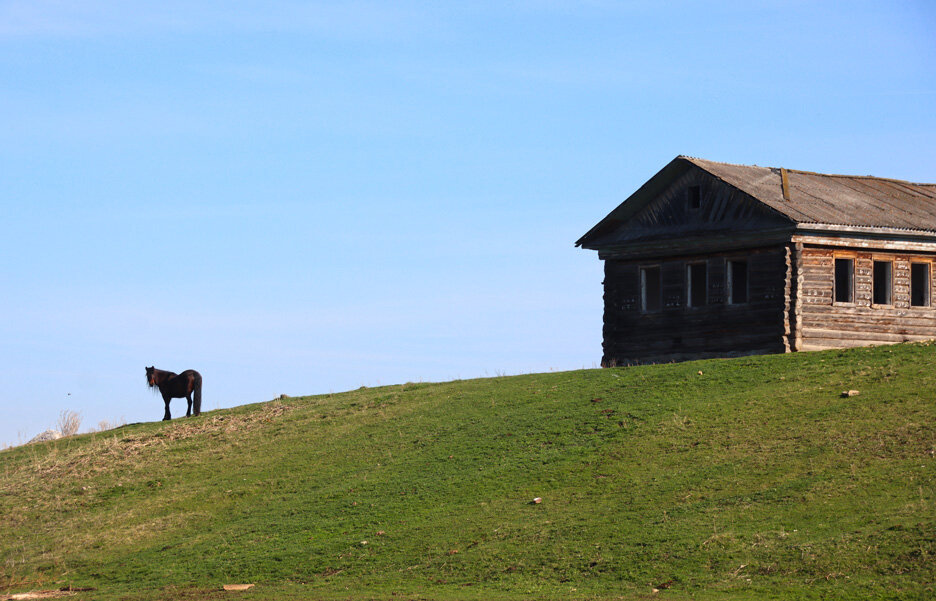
{"x": 882, "y": 282}
{"x": 920, "y": 284}
{"x": 844, "y": 280}
{"x": 737, "y": 272}
{"x": 698, "y": 284}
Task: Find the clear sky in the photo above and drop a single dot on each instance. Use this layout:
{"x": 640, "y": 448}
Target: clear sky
{"x": 305, "y": 197}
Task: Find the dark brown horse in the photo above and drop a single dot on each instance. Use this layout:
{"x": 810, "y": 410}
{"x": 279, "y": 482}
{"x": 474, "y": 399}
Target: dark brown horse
{"x": 176, "y": 386}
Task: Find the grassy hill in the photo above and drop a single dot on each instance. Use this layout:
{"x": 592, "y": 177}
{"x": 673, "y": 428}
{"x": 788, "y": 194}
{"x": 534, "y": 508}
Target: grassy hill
{"x": 724, "y": 479}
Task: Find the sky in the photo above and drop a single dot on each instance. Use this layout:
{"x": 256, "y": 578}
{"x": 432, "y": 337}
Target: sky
{"x": 310, "y": 197}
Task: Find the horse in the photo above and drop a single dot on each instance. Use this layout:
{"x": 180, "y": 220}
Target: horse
{"x": 176, "y": 386}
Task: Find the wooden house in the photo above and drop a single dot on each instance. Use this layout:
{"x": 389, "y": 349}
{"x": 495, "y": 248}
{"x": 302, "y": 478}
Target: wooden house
{"x": 710, "y": 259}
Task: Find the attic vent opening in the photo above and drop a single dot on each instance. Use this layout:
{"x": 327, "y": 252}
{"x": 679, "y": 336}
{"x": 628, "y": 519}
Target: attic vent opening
{"x": 694, "y": 197}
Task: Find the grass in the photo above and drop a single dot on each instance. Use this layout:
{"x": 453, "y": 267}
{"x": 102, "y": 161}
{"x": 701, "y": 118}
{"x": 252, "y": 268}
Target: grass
{"x": 723, "y": 479}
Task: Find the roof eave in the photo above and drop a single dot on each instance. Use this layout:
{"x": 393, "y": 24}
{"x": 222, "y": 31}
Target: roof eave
{"x": 865, "y": 230}
{"x": 637, "y": 200}
{"x": 696, "y": 245}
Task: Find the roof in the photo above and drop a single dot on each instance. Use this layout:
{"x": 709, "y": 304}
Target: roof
{"x": 812, "y": 199}
{"x": 819, "y": 198}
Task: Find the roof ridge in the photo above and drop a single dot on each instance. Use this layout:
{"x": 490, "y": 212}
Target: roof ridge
{"x": 804, "y": 172}
{"x": 691, "y": 158}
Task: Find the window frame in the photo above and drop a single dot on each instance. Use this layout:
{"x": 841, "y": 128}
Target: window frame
{"x": 642, "y": 277}
{"x": 889, "y": 261}
{"x": 852, "y": 272}
{"x": 730, "y": 281}
{"x": 928, "y": 288}
{"x": 690, "y": 285}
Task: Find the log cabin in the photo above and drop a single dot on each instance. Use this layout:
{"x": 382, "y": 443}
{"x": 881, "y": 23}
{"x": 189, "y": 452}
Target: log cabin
{"x": 712, "y": 259}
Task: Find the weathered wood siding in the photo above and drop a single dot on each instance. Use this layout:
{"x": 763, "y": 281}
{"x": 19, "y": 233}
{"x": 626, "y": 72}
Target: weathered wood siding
{"x": 679, "y": 332}
{"x": 826, "y": 324}
{"x": 726, "y": 218}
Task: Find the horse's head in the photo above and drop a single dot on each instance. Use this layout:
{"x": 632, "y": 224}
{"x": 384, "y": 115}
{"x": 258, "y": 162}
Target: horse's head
{"x": 151, "y": 377}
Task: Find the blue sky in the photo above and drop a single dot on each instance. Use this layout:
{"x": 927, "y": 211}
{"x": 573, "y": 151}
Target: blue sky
{"x": 305, "y": 197}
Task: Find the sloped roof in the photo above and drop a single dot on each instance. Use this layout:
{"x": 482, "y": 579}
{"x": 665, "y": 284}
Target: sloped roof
{"x": 815, "y": 199}
{"x": 852, "y": 200}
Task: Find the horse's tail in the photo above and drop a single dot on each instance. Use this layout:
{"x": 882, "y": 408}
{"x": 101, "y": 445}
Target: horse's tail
{"x": 197, "y": 390}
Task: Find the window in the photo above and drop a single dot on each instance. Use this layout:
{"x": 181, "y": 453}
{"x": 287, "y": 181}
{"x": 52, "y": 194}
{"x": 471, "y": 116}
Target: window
{"x": 919, "y": 284}
{"x": 883, "y": 271}
{"x": 737, "y": 282}
{"x": 697, "y": 284}
{"x": 650, "y": 289}
{"x": 694, "y": 196}
{"x": 844, "y": 280}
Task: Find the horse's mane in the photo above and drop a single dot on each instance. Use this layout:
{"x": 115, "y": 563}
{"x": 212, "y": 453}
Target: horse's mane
{"x": 161, "y": 375}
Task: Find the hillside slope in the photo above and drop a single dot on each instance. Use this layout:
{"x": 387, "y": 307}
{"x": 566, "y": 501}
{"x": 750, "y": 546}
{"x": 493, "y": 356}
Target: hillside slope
{"x": 718, "y": 479}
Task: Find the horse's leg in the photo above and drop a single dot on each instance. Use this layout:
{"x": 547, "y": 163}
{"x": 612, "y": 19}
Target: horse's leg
{"x": 166, "y": 400}
{"x": 188, "y": 397}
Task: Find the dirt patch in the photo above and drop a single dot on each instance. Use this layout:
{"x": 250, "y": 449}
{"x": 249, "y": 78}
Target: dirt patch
{"x": 50, "y": 594}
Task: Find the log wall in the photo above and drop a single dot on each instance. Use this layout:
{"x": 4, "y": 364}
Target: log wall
{"x": 826, "y": 324}
{"x": 717, "y": 329}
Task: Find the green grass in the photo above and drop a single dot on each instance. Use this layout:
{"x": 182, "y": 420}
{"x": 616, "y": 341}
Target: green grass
{"x": 751, "y": 479}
